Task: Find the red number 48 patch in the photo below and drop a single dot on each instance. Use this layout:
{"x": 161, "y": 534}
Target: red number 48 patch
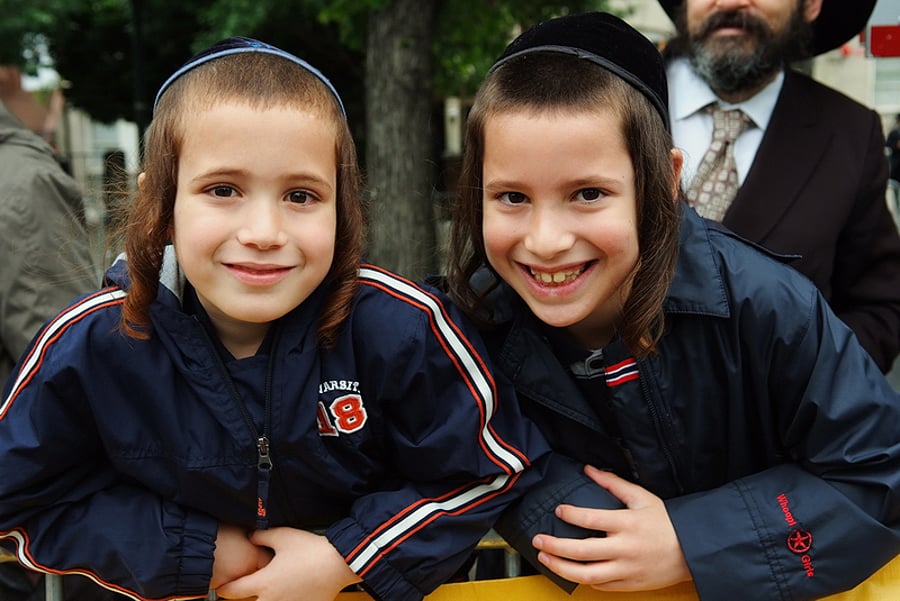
{"x": 345, "y": 414}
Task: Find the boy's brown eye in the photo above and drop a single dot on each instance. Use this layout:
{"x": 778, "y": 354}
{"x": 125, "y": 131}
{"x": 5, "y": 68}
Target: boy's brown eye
{"x": 590, "y": 194}
{"x": 223, "y": 191}
{"x": 300, "y": 197}
{"x": 513, "y": 198}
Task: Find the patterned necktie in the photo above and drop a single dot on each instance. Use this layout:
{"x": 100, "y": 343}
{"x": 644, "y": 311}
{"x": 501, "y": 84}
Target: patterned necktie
{"x": 716, "y": 181}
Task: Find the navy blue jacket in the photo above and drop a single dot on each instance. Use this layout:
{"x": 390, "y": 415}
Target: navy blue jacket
{"x": 761, "y": 422}
{"x": 121, "y": 456}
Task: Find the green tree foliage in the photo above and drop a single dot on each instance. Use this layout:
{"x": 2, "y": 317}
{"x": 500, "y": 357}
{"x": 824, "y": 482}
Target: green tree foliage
{"x": 110, "y": 51}
{"x": 297, "y": 27}
{"x": 21, "y": 29}
{"x": 470, "y": 35}
{"x": 116, "y": 52}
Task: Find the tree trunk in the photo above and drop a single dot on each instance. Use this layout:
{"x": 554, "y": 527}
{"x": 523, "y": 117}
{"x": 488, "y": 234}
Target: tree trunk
{"x": 398, "y": 137}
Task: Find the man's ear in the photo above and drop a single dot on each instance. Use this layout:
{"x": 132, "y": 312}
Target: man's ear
{"x": 811, "y": 10}
{"x": 141, "y": 177}
{"x": 677, "y": 164}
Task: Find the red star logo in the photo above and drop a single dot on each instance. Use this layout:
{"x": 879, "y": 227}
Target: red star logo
{"x": 799, "y": 541}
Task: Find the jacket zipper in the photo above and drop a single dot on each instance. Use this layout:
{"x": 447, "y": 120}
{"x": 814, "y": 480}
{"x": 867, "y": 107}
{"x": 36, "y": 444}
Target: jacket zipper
{"x": 661, "y": 428}
{"x": 264, "y": 462}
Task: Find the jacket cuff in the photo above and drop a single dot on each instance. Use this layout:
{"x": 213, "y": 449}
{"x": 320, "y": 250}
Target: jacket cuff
{"x": 708, "y": 533}
{"x": 380, "y": 579}
{"x": 197, "y": 553}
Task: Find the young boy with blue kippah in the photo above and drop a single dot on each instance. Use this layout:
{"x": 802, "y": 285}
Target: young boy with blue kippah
{"x": 246, "y": 407}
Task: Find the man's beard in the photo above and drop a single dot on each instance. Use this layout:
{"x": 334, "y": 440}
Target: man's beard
{"x": 742, "y": 63}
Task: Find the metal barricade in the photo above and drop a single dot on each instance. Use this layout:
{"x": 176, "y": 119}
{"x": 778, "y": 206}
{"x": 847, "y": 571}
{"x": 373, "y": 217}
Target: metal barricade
{"x": 52, "y": 582}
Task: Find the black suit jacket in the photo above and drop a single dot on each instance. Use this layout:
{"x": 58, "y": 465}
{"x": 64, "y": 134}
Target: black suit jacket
{"x": 817, "y": 188}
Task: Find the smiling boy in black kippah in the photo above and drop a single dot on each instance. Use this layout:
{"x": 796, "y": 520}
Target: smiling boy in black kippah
{"x": 746, "y": 442}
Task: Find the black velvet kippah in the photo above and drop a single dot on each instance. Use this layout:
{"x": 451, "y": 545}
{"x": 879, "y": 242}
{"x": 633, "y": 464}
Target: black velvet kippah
{"x": 605, "y": 40}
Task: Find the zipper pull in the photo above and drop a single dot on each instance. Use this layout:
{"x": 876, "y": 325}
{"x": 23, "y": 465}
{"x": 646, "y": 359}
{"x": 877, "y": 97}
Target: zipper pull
{"x": 262, "y": 447}
{"x": 263, "y": 474}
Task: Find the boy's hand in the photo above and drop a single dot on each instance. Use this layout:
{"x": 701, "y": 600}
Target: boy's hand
{"x": 305, "y": 566}
{"x": 640, "y": 551}
{"x": 235, "y": 555}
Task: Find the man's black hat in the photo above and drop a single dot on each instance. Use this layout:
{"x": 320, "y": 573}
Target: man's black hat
{"x": 605, "y": 40}
{"x": 838, "y": 21}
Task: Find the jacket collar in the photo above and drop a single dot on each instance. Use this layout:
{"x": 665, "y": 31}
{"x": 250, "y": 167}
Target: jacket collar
{"x": 171, "y": 278}
{"x": 697, "y": 286}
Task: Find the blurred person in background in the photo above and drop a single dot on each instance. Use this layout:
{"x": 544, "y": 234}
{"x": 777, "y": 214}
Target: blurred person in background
{"x": 45, "y": 262}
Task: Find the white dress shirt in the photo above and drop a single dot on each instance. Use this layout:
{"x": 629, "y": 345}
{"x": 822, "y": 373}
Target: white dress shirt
{"x": 692, "y": 127}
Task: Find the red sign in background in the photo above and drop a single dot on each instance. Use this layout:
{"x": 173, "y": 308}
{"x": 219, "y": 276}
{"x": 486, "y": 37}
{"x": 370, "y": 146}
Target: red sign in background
{"x": 884, "y": 40}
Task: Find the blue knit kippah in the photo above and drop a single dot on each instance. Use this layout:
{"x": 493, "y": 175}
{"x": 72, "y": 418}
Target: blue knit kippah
{"x": 236, "y": 45}
{"x": 605, "y": 40}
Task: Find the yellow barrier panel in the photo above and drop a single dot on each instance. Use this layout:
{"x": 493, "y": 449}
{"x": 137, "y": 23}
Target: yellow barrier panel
{"x": 884, "y": 585}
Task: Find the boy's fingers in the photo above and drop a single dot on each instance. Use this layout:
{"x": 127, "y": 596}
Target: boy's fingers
{"x": 629, "y": 493}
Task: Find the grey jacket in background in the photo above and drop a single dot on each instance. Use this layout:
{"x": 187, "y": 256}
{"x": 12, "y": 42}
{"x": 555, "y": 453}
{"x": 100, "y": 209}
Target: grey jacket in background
{"x": 45, "y": 259}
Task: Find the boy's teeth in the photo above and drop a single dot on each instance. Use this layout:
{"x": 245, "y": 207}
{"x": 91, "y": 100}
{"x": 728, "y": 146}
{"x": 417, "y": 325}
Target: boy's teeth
{"x": 557, "y": 277}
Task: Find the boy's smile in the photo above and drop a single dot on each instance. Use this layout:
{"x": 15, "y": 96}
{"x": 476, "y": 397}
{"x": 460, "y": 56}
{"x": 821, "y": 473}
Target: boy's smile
{"x": 560, "y": 216}
{"x": 557, "y": 278}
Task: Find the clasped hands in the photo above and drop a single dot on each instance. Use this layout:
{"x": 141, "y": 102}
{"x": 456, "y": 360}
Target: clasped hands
{"x": 266, "y": 565}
